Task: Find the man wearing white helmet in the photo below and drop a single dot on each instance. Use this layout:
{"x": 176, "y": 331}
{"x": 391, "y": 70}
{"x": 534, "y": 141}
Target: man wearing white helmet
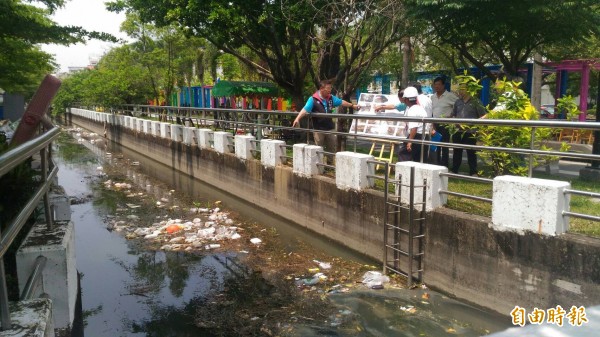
{"x": 415, "y": 129}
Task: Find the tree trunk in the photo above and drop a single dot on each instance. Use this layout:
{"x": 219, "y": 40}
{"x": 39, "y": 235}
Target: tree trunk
{"x": 536, "y": 85}
{"x": 406, "y": 58}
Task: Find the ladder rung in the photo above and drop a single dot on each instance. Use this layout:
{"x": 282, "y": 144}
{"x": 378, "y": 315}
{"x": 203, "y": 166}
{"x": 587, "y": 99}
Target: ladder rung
{"x": 398, "y": 250}
{"x": 399, "y": 228}
{"x": 397, "y": 271}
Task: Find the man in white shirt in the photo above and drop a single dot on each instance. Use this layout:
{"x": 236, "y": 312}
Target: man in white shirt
{"x": 442, "y": 103}
{"x": 423, "y": 99}
{"x": 415, "y": 129}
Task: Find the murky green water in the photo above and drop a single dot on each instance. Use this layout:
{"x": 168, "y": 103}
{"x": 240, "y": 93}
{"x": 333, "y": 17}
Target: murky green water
{"x": 128, "y": 290}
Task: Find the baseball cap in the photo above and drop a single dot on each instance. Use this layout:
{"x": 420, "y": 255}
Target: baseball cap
{"x": 410, "y": 92}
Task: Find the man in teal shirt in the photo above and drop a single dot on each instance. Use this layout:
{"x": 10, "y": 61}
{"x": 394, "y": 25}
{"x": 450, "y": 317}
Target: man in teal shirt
{"x": 322, "y": 101}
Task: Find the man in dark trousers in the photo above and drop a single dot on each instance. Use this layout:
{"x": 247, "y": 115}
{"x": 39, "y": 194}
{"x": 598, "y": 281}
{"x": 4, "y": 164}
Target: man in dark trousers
{"x": 415, "y": 129}
{"x": 466, "y": 106}
{"x": 322, "y": 101}
{"x": 443, "y": 103}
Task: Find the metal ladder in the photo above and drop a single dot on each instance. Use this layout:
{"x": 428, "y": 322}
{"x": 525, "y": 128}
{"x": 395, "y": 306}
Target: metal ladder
{"x": 403, "y": 240}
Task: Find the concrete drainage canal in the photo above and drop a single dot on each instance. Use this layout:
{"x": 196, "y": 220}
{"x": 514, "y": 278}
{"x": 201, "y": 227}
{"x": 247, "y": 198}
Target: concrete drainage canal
{"x": 161, "y": 254}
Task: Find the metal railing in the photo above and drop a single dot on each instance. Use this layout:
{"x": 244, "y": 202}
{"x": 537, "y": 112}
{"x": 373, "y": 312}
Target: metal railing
{"x": 581, "y": 215}
{"x": 276, "y": 122}
{"x": 9, "y": 161}
{"x": 464, "y": 195}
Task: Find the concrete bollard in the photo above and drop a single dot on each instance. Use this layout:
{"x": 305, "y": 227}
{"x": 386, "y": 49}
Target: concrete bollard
{"x": 140, "y": 125}
{"x": 434, "y": 182}
{"x": 221, "y": 141}
{"x": 61, "y": 207}
{"x": 529, "y": 204}
{"x": 244, "y": 146}
{"x": 133, "y": 125}
{"x": 147, "y": 127}
{"x": 271, "y": 152}
{"x": 298, "y": 154}
{"x": 176, "y": 132}
{"x": 59, "y": 277}
{"x": 155, "y": 128}
{"x": 134, "y": 121}
{"x": 188, "y": 135}
{"x": 127, "y": 122}
{"x": 305, "y": 160}
{"x": 204, "y": 138}
{"x": 165, "y": 130}
{"x": 352, "y": 170}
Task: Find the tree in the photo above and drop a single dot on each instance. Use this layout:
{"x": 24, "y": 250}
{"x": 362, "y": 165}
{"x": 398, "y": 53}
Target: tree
{"x": 284, "y": 39}
{"x": 513, "y": 104}
{"x": 22, "y": 28}
{"x": 352, "y": 35}
{"x": 509, "y": 30}
{"x": 168, "y": 56}
{"x": 118, "y": 79}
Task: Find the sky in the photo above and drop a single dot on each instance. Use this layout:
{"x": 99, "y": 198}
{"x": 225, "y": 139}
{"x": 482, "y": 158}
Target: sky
{"x": 92, "y": 16}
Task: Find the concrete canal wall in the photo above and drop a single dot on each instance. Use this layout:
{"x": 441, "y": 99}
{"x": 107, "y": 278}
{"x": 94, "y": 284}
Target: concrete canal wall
{"x": 519, "y": 257}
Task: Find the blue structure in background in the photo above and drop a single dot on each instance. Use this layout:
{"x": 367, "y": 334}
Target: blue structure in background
{"x": 196, "y": 96}
{"x": 426, "y": 79}
{"x": 385, "y": 84}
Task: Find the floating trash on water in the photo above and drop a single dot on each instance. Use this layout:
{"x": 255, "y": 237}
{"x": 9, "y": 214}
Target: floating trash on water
{"x": 135, "y": 163}
{"x": 318, "y": 277}
{"x": 99, "y": 168}
{"x": 173, "y": 228}
{"x": 409, "y": 309}
{"x": 133, "y": 206}
{"x": 255, "y": 241}
{"x": 374, "y": 279}
{"x": 323, "y": 265}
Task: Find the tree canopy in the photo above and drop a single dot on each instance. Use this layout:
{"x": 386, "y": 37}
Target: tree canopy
{"x": 23, "y": 27}
{"x": 509, "y": 31}
{"x": 287, "y": 37}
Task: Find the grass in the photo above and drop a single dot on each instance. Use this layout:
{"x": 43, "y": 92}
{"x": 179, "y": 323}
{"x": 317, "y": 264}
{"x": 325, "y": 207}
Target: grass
{"x": 579, "y": 204}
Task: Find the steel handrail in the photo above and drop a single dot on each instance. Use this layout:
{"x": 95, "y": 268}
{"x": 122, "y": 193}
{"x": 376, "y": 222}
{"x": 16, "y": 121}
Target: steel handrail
{"x": 19, "y": 154}
{"x": 9, "y": 161}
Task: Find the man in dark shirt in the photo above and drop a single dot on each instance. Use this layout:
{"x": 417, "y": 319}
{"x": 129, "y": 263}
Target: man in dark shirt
{"x": 466, "y": 107}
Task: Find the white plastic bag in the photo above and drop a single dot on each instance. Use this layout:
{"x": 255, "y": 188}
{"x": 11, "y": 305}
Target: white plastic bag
{"x": 374, "y": 279}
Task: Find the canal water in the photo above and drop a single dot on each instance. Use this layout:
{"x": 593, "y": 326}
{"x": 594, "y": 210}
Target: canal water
{"x": 131, "y": 288}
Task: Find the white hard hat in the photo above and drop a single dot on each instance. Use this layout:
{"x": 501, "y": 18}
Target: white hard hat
{"x": 410, "y": 92}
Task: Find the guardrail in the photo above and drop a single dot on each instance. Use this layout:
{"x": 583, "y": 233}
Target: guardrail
{"x": 278, "y": 122}
{"x": 9, "y": 161}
